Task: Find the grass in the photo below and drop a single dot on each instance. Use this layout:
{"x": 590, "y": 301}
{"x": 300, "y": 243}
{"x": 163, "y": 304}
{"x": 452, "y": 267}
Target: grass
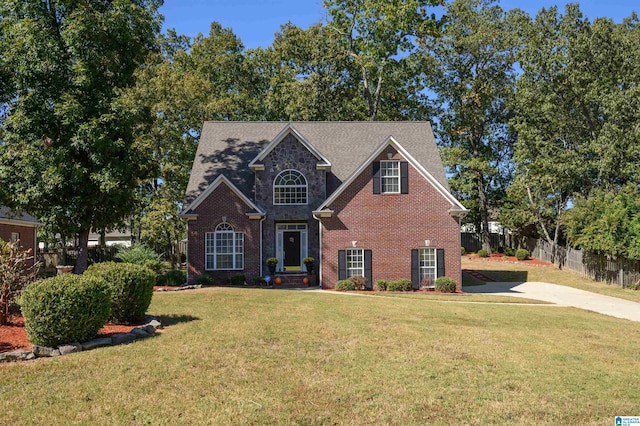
{"x": 517, "y": 272}
{"x": 467, "y": 298}
{"x": 239, "y": 356}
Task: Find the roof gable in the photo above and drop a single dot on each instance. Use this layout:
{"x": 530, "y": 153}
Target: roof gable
{"x": 391, "y": 141}
{"x": 10, "y": 217}
{"x": 220, "y": 180}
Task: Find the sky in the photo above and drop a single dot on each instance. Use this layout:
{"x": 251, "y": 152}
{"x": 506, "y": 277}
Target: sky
{"x": 256, "y": 21}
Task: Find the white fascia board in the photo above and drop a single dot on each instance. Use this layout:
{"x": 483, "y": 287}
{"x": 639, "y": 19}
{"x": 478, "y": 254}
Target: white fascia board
{"x": 288, "y": 129}
{"x": 221, "y": 179}
{"x": 17, "y": 222}
{"x": 322, "y": 213}
{"x": 391, "y": 141}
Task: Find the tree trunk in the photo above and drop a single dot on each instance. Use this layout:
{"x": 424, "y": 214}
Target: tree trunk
{"x": 83, "y": 255}
{"x": 484, "y": 214}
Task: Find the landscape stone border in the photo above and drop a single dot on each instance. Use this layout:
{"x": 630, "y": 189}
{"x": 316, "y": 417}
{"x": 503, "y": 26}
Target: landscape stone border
{"x": 180, "y": 288}
{"x": 137, "y": 333}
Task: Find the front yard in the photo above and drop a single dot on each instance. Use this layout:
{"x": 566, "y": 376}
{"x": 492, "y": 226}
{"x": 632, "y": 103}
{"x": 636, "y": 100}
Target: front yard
{"x": 240, "y": 356}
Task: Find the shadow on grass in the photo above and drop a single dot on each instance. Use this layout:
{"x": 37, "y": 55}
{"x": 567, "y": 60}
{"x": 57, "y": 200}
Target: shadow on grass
{"x": 168, "y": 320}
{"x": 507, "y": 276}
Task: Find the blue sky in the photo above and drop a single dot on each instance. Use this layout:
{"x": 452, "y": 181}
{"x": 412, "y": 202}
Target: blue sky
{"x": 255, "y": 21}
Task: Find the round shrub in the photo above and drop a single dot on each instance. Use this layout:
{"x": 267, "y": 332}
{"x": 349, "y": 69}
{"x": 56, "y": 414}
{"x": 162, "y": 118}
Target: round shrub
{"x": 205, "y": 279}
{"x": 360, "y": 283}
{"x": 238, "y": 279}
{"x": 483, "y": 253}
{"x": 445, "y": 285}
{"x": 399, "y": 285}
{"x": 380, "y": 285}
{"x": 462, "y": 251}
{"x": 65, "y": 308}
{"x": 522, "y": 254}
{"x": 509, "y": 251}
{"x": 345, "y": 285}
{"x": 175, "y": 277}
{"x": 131, "y": 289}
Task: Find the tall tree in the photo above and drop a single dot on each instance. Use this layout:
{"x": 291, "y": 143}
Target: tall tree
{"x": 473, "y": 77}
{"x": 69, "y": 151}
{"x": 379, "y": 37}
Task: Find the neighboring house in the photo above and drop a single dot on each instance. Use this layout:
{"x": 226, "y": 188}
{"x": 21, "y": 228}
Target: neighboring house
{"x": 362, "y": 198}
{"x": 116, "y": 237}
{"x": 19, "y": 226}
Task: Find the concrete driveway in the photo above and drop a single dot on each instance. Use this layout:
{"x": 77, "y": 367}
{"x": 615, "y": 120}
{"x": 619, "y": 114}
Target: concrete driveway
{"x": 562, "y": 295}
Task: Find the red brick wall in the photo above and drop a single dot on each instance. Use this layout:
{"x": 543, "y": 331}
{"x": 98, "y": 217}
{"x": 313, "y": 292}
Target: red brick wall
{"x": 223, "y": 202}
{"x": 27, "y": 235}
{"x": 390, "y": 225}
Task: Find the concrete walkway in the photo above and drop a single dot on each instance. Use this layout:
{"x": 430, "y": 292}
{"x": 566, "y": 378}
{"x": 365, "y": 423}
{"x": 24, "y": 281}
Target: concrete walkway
{"x": 562, "y": 295}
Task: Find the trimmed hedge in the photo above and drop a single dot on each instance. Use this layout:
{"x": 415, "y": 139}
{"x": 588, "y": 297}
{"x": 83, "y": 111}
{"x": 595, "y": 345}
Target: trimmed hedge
{"x": 399, "y": 285}
{"x": 345, "y": 285}
{"x": 205, "y": 279}
{"x": 131, "y": 289}
{"x": 445, "y": 285}
{"x": 65, "y": 308}
{"x": 380, "y": 285}
{"x": 522, "y": 254}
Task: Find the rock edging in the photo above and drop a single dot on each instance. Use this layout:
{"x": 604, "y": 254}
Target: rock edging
{"x": 180, "y": 288}
{"x": 137, "y": 333}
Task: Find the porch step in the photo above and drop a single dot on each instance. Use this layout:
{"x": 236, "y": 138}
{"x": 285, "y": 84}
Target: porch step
{"x": 293, "y": 280}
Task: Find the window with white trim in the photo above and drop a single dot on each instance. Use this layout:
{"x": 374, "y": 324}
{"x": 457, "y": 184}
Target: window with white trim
{"x": 224, "y": 248}
{"x": 390, "y": 177}
{"x": 428, "y": 267}
{"x": 15, "y": 236}
{"x": 355, "y": 263}
{"x": 290, "y": 187}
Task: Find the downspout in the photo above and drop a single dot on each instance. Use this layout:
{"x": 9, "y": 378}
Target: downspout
{"x": 187, "y": 253}
{"x": 320, "y": 249}
{"x": 261, "y": 243}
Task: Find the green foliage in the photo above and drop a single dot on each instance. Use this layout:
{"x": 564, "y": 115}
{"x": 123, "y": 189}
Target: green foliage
{"x": 360, "y": 283}
{"x": 140, "y": 255}
{"x": 65, "y": 308}
{"x": 70, "y": 152}
{"x": 131, "y": 288}
{"x": 16, "y": 271}
{"x": 309, "y": 261}
{"x": 345, "y": 285}
{"x": 462, "y": 251}
{"x": 259, "y": 281}
{"x": 509, "y": 251}
{"x": 607, "y": 223}
{"x": 238, "y": 279}
{"x": 175, "y": 277}
{"x": 205, "y": 279}
{"x": 483, "y": 253}
{"x": 522, "y": 254}
{"x": 399, "y": 285}
{"x": 380, "y": 285}
{"x": 272, "y": 261}
{"x": 445, "y": 285}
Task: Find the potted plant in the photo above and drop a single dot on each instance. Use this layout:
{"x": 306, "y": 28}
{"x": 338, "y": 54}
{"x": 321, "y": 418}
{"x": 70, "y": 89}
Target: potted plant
{"x": 272, "y": 262}
{"x": 309, "y": 262}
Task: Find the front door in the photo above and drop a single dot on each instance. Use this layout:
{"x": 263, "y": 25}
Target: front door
{"x": 291, "y": 246}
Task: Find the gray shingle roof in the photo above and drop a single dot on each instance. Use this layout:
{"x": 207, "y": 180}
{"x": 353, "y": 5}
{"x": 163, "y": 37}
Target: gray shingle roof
{"x": 228, "y": 147}
{"x": 7, "y": 213}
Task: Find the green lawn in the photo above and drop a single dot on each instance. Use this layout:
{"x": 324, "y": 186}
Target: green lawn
{"x": 240, "y": 356}
{"x": 512, "y": 272}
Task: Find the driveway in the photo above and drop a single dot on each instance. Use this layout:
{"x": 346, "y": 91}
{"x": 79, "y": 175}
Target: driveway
{"x": 562, "y": 295}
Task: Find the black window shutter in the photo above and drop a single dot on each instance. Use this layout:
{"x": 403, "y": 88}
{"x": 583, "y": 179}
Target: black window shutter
{"x": 440, "y": 260}
{"x": 404, "y": 177}
{"x": 367, "y": 269}
{"x": 342, "y": 265}
{"x": 376, "y": 177}
{"x": 415, "y": 269}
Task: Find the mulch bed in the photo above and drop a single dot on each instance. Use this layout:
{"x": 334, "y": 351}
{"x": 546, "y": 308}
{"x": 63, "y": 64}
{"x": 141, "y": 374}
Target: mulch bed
{"x": 500, "y": 257}
{"x": 14, "y": 336}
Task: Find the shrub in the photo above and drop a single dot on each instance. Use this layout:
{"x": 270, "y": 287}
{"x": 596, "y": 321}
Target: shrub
{"x": 15, "y": 274}
{"x": 65, "y": 308}
{"x": 522, "y": 254}
{"x": 360, "y": 283}
{"x": 380, "y": 285}
{"x": 238, "y": 279}
{"x": 175, "y": 277}
{"x": 501, "y": 249}
{"x": 445, "y": 285}
{"x": 131, "y": 289}
{"x": 140, "y": 255}
{"x": 205, "y": 279}
{"x": 483, "y": 253}
{"x": 259, "y": 281}
{"x": 399, "y": 285}
{"x": 509, "y": 251}
{"x": 462, "y": 251}
{"x": 345, "y": 285}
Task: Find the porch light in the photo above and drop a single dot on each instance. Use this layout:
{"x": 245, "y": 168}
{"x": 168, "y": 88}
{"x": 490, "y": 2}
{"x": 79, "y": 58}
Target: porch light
{"x": 354, "y": 243}
{"x": 389, "y": 155}
{"x": 427, "y": 243}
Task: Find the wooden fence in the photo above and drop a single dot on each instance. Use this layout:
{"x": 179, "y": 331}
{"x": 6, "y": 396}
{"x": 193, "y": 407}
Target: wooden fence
{"x": 622, "y": 272}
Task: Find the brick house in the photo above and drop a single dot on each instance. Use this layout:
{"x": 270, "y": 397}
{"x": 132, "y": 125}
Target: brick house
{"x": 19, "y": 226}
{"x": 363, "y": 198}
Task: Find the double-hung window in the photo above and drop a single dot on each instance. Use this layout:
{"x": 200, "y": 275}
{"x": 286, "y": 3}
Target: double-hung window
{"x": 390, "y": 177}
{"x": 355, "y": 263}
{"x": 428, "y": 267}
{"x": 224, "y": 248}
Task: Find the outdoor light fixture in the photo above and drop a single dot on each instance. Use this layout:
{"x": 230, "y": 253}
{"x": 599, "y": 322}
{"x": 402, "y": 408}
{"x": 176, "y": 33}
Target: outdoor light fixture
{"x": 427, "y": 243}
{"x": 224, "y": 218}
{"x": 389, "y": 155}
{"x": 354, "y": 243}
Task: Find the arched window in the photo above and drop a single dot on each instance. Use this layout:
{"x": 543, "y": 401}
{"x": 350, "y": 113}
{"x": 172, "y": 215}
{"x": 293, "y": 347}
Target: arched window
{"x": 224, "y": 248}
{"x": 290, "y": 187}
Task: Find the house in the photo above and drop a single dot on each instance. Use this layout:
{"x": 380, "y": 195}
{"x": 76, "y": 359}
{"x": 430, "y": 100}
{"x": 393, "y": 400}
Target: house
{"x": 363, "y": 198}
{"x": 19, "y": 226}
